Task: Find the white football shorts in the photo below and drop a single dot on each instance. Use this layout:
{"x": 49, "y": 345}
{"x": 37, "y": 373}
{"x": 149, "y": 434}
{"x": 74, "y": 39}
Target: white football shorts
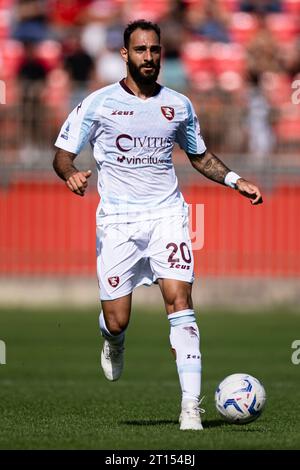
{"x": 136, "y": 253}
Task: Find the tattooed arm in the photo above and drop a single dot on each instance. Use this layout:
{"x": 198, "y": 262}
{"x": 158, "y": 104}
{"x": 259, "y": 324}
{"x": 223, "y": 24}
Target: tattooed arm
{"x": 213, "y": 168}
{"x": 210, "y": 166}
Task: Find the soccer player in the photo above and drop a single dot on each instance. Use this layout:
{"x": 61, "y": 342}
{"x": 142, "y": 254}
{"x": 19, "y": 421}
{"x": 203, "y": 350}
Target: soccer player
{"x": 142, "y": 219}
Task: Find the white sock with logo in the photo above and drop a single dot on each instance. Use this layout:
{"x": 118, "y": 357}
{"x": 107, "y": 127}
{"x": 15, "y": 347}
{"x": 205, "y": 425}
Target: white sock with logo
{"x": 185, "y": 341}
{"x": 113, "y": 339}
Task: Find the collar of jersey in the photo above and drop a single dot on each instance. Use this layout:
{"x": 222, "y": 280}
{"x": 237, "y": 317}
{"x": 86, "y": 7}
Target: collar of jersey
{"x": 128, "y": 90}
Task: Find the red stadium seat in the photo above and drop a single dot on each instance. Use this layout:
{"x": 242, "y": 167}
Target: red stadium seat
{"x": 230, "y": 81}
{"x": 4, "y": 23}
{"x": 287, "y": 130}
{"x": 12, "y": 92}
{"x": 288, "y": 125}
{"x": 291, "y": 6}
{"x": 202, "y": 80}
{"x": 11, "y": 55}
{"x": 243, "y": 27}
{"x": 57, "y": 94}
{"x": 283, "y": 26}
{"x": 204, "y": 62}
{"x": 196, "y": 56}
{"x": 49, "y": 52}
{"x": 277, "y": 88}
{"x": 68, "y": 13}
{"x": 230, "y": 5}
{"x": 228, "y": 58}
{"x": 153, "y": 11}
{"x": 6, "y": 4}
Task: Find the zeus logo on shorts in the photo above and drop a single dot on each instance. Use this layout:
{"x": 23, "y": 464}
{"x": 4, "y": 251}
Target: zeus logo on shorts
{"x": 114, "y": 281}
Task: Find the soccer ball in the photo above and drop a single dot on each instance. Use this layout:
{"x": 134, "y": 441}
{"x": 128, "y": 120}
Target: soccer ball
{"x": 240, "y": 398}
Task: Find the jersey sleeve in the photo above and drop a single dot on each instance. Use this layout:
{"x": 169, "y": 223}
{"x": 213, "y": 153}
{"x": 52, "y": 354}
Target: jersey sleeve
{"x": 188, "y": 135}
{"x": 80, "y": 126}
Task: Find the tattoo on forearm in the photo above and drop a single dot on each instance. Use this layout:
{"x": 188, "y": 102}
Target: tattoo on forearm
{"x": 215, "y": 169}
{"x": 211, "y": 167}
{"x": 208, "y": 165}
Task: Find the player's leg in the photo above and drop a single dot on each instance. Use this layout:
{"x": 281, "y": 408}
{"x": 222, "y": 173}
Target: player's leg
{"x": 173, "y": 265}
{"x": 177, "y": 295}
{"x": 115, "y": 316}
{"x": 185, "y": 343}
{"x": 120, "y": 249}
{"x": 113, "y": 321}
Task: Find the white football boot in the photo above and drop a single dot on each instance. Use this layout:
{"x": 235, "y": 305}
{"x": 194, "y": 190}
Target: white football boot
{"x": 112, "y": 360}
{"x": 190, "y": 416}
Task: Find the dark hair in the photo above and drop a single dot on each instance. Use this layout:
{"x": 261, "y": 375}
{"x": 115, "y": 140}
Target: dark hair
{"x": 139, "y": 24}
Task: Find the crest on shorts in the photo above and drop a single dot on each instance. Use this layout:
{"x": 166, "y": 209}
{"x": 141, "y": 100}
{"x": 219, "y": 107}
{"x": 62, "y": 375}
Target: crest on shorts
{"x": 168, "y": 112}
{"x": 114, "y": 281}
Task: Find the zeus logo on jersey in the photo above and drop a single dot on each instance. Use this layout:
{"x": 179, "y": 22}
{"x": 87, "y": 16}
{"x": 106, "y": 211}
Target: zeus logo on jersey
{"x": 122, "y": 113}
{"x": 125, "y": 142}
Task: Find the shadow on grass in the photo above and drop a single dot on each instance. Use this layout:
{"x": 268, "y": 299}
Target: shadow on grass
{"x": 214, "y": 423}
{"x": 148, "y": 422}
{"x": 238, "y": 427}
{"x": 158, "y": 422}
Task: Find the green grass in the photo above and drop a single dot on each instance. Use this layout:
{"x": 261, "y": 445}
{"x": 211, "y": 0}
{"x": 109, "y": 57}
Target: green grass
{"x": 53, "y": 394}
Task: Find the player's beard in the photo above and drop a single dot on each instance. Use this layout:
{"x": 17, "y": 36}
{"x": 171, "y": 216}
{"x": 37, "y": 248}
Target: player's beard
{"x": 139, "y": 77}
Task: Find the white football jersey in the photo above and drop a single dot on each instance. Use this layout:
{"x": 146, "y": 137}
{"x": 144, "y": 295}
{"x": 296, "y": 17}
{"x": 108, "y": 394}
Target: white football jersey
{"x": 132, "y": 141}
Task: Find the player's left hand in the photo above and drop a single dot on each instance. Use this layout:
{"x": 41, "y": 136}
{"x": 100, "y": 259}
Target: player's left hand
{"x": 249, "y": 190}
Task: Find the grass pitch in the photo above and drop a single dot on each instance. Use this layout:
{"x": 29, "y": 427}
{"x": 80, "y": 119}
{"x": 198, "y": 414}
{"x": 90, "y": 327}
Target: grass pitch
{"x": 54, "y": 396}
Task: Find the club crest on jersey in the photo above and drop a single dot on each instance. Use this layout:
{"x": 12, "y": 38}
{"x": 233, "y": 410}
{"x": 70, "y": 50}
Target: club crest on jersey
{"x": 114, "y": 281}
{"x": 168, "y": 112}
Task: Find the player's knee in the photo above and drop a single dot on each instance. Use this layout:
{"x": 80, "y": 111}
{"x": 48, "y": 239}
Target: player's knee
{"x": 180, "y": 302}
{"x": 116, "y": 326}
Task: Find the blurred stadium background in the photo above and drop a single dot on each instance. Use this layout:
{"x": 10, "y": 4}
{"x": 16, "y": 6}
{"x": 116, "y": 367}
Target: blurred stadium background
{"x": 237, "y": 60}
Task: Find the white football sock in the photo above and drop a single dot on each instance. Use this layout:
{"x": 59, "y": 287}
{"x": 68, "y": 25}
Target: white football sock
{"x": 185, "y": 340}
{"x": 113, "y": 339}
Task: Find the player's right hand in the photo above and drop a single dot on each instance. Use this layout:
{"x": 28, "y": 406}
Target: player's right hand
{"x": 78, "y": 183}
